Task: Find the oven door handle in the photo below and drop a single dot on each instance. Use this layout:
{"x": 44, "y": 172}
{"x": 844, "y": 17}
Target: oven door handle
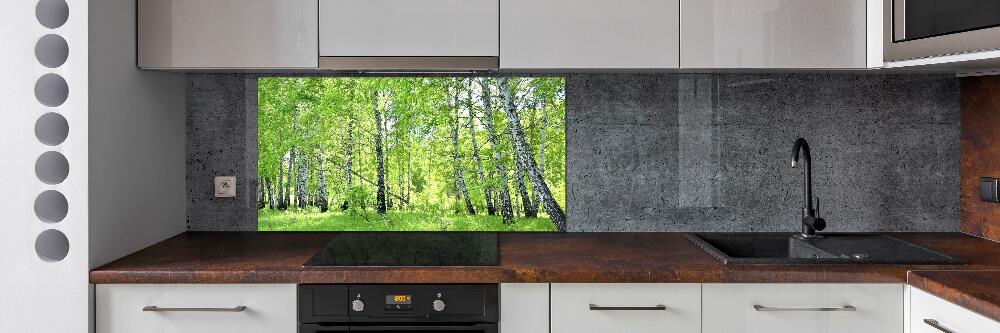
{"x": 486, "y": 328}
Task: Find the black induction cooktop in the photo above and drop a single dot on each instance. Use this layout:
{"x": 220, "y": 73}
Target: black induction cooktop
{"x": 409, "y": 249}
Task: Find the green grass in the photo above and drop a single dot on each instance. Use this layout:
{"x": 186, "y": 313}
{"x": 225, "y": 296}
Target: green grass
{"x": 313, "y": 220}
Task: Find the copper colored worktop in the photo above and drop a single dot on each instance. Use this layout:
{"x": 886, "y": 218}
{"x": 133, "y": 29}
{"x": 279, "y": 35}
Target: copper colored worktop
{"x": 274, "y": 257}
{"x": 978, "y": 291}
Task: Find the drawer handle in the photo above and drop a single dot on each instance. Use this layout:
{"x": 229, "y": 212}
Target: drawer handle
{"x": 595, "y": 307}
{"x": 935, "y": 324}
{"x": 759, "y": 307}
{"x": 154, "y": 308}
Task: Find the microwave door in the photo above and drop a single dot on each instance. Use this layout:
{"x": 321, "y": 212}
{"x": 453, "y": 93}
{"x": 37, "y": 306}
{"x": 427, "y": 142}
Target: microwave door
{"x": 917, "y": 19}
{"x": 916, "y": 29}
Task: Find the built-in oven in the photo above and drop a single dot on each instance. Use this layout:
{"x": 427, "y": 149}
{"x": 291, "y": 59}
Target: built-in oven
{"x": 928, "y": 28}
{"x": 412, "y": 308}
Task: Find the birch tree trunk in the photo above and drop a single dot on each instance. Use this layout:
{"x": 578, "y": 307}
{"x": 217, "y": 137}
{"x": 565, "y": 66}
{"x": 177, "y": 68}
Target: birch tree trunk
{"x": 459, "y": 176}
{"x": 322, "y": 201}
{"x": 527, "y": 206}
{"x": 506, "y": 211}
{"x": 349, "y": 160}
{"x": 409, "y": 175}
{"x": 301, "y": 180}
{"x": 487, "y": 190}
{"x": 270, "y": 194}
{"x": 380, "y": 204}
{"x": 260, "y": 195}
{"x": 281, "y": 183}
{"x": 385, "y": 160}
{"x": 288, "y": 183}
{"x": 523, "y": 156}
{"x": 541, "y": 147}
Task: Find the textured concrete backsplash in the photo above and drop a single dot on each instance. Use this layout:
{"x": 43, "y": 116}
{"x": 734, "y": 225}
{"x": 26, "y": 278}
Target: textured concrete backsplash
{"x": 221, "y": 141}
{"x": 683, "y": 152}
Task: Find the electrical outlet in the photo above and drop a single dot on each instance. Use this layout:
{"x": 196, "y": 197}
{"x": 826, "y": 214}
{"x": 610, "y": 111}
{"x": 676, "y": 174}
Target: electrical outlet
{"x": 988, "y": 189}
{"x": 225, "y": 187}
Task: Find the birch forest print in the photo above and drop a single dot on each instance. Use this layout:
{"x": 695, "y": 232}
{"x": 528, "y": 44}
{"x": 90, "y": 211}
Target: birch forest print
{"x": 411, "y": 154}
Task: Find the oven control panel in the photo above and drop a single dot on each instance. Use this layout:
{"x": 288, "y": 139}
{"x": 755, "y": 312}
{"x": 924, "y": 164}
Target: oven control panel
{"x": 399, "y": 303}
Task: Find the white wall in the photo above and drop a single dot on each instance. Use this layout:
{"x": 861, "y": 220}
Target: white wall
{"x": 126, "y": 128}
{"x": 40, "y": 295}
{"x": 137, "y": 186}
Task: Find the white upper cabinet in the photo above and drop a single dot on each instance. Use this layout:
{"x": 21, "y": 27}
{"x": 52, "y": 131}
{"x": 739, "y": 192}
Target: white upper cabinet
{"x": 227, "y": 34}
{"x": 589, "y": 34}
{"x": 777, "y": 33}
{"x": 409, "y": 28}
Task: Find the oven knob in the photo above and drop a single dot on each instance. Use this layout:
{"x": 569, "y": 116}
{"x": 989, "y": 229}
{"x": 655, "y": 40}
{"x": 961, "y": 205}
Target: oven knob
{"x": 358, "y": 305}
{"x": 438, "y": 305}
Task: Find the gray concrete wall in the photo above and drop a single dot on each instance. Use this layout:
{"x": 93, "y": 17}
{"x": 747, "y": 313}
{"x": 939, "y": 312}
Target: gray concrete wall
{"x": 684, "y": 152}
{"x": 221, "y": 141}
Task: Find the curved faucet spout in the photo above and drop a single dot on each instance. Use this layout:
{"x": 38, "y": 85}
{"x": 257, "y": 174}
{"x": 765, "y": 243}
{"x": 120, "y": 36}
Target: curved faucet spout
{"x": 803, "y": 146}
{"x": 810, "y": 222}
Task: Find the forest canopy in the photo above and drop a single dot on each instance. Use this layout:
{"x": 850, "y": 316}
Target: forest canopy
{"x": 411, "y": 154}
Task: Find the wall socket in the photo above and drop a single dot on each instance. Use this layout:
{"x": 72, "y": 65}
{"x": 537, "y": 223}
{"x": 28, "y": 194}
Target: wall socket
{"x": 988, "y": 189}
{"x": 225, "y": 186}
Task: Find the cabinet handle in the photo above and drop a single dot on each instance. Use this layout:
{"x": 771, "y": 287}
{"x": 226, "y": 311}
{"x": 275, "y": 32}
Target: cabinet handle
{"x": 154, "y": 308}
{"x": 935, "y": 324}
{"x": 759, "y": 307}
{"x": 658, "y": 307}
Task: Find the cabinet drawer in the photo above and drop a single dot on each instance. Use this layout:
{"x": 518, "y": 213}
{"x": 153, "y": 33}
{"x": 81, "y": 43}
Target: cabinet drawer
{"x": 636, "y": 308}
{"x": 268, "y": 308}
{"x": 803, "y": 308}
{"x": 948, "y": 316}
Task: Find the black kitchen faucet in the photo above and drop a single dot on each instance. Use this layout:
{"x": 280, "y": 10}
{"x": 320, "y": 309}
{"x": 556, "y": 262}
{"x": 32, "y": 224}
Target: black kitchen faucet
{"x": 811, "y": 223}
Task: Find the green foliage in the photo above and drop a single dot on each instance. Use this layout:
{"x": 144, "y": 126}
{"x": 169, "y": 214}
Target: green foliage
{"x": 356, "y": 199}
{"x": 334, "y": 117}
{"x": 313, "y": 220}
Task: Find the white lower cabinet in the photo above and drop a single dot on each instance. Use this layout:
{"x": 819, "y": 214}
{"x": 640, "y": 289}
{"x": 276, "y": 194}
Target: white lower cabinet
{"x": 930, "y": 314}
{"x": 196, "y": 308}
{"x": 803, "y": 308}
{"x": 524, "y": 308}
{"x": 626, "y": 307}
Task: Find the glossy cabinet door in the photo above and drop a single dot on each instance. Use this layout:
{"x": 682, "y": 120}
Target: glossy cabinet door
{"x": 930, "y": 314}
{"x": 803, "y": 308}
{"x": 774, "y": 34}
{"x": 524, "y": 308}
{"x": 227, "y": 34}
{"x": 196, "y": 308}
{"x": 589, "y": 34}
{"x": 410, "y": 28}
{"x": 625, "y": 307}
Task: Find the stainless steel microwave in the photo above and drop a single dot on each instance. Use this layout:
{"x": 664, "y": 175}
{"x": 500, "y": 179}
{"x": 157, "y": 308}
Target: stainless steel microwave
{"x": 929, "y": 28}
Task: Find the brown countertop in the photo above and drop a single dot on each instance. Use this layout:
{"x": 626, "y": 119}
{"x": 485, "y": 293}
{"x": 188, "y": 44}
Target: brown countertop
{"x": 978, "y": 291}
{"x": 256, "y": 257}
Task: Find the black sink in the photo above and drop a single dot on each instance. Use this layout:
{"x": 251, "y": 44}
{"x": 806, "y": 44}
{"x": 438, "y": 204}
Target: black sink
{"x": 837, "y": 248}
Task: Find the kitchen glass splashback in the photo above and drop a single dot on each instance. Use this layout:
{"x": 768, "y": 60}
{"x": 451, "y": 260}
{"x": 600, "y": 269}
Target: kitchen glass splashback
{"x": 411, "y": 154}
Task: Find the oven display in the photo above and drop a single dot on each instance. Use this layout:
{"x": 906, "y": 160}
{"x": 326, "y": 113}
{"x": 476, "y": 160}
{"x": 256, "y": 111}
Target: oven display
{"x": 398, "y": 299}
{"x": 394, "y": 303}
